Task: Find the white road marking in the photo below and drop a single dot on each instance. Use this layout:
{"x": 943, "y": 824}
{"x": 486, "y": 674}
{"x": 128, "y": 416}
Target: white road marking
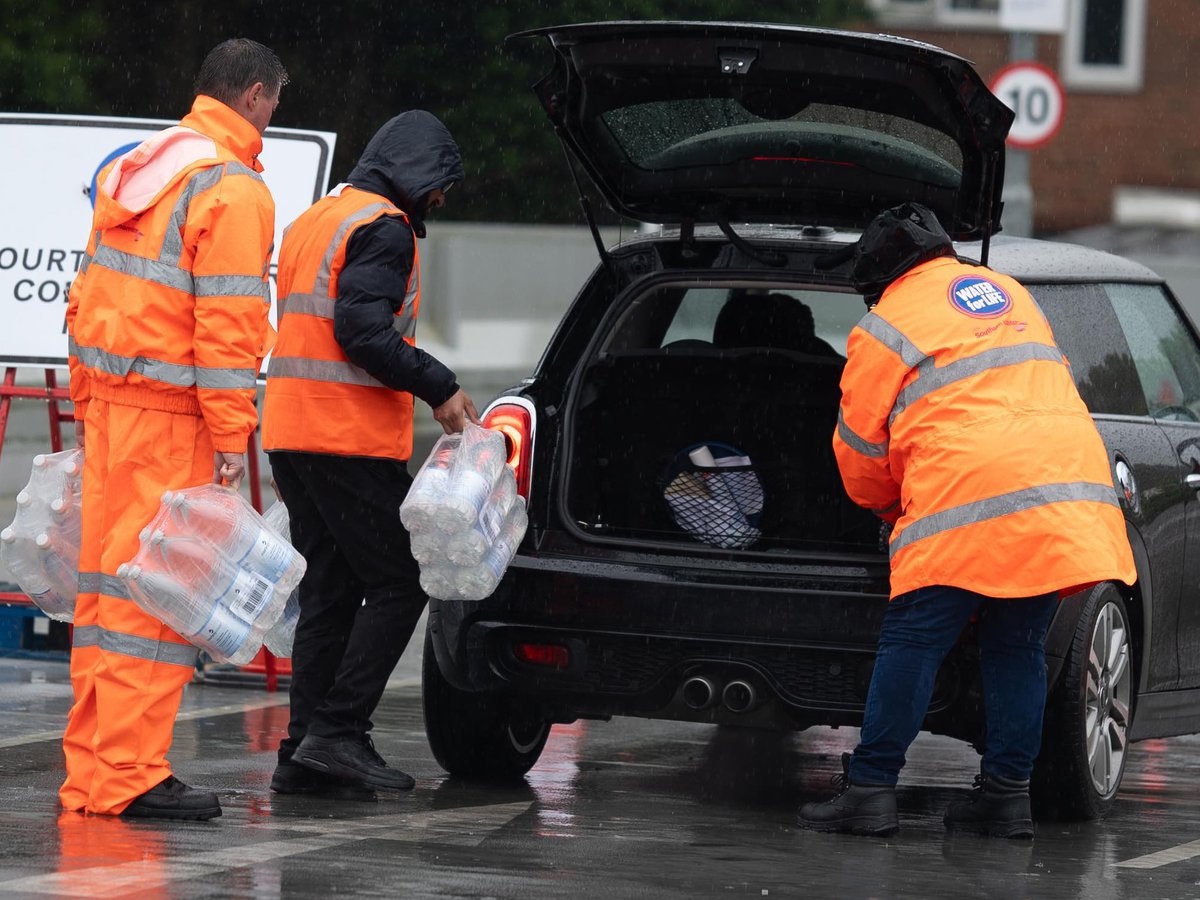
{"x": 1162, "y": 857}
{"x": 201, "y": 713}
{"x": 468, "y": 826}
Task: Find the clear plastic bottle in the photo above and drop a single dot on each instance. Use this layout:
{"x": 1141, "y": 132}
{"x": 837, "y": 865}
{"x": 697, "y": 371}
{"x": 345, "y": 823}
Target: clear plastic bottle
{"x": 280, "y": 636}
{"x": 23, "y": 559}
{"x": 440, "y": 582}
{"x": 211, "y": 626}
{"x": 59, "y": 560}
{"x": 428, "y": 547}
{"x": 480, "y": 581}
{"x": 419, "y": 509}
{"x": 469, "y": 547}
{"x": 222, "y": 517}
{"x": 477, "y": 465}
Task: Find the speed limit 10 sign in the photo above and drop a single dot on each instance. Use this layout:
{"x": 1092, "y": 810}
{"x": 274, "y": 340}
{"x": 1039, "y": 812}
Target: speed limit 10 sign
{"x": 1032, "y": 92}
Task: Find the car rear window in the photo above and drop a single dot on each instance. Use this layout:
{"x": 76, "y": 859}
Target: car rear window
{"x": 691, "y": 132}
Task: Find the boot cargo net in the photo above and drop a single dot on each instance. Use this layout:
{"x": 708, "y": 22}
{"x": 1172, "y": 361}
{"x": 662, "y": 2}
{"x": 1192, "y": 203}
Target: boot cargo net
{"x": 715, "y": 495}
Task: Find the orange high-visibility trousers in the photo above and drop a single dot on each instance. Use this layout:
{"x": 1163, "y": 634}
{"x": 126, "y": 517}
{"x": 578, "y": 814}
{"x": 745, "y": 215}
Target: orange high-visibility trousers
{"x": 128, "y": 670}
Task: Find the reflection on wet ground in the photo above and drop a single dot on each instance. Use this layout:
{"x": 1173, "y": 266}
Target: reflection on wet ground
{"x": 628, "y": 808}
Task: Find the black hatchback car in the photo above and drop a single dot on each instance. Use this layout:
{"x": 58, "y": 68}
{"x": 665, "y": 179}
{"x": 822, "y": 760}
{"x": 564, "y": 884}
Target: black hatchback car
{"x": 691, "y": 554}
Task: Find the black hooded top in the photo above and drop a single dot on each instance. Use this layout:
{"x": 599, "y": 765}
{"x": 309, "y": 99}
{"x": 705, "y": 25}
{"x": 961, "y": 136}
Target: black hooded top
{"x": 406, "y": 159}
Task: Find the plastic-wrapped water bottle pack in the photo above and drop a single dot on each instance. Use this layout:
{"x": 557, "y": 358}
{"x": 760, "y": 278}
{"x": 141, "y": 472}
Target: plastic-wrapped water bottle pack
{"x": 210, "y": 567}
{"x": 465, "y": 516}
{"x": 41, "y": 546}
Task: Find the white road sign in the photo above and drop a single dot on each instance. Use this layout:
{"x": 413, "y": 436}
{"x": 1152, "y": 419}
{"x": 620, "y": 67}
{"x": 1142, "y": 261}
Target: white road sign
{"x": 1032, "y": 92}
{"x": 47, "y": 168}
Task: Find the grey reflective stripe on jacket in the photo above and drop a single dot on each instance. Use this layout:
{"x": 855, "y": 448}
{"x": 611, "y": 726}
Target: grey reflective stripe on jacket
{"x": 931, "y": 377}
{"x": 332, "y": 370}
{"x": 165, "y": 372}
{"x": 131, "y": 645}
{"x": 1002, "y": 505}
{"x": 99, "y": 583}
{"x": 854, "y": 442}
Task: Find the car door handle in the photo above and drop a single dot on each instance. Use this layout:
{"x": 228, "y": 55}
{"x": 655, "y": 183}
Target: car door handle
{"x": 1192, "y": 481}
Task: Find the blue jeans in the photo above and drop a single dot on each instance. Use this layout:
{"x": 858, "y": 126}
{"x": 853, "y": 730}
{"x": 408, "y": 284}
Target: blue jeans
{"x": 919, "y": 629}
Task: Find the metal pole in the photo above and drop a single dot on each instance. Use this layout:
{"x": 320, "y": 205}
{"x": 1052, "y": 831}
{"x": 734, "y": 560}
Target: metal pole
{"x": 1017, "y": 219}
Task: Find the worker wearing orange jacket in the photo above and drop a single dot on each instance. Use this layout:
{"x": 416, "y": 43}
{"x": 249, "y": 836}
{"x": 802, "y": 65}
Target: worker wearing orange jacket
{"x": 960, "y": 425}
{"x": 338, "y": 424}
{"x": 168, "y": 326}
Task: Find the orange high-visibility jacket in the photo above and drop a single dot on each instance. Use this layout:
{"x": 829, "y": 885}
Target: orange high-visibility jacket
{"x": 960, "y": 424}
{"x": 317, "y": 401}
{"x": 169, "y": 309}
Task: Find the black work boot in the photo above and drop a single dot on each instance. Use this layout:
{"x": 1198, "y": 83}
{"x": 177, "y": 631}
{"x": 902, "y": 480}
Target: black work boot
{"x": 997, "y": 806}
{"x": 857, "y": 809}
{"x": 172, "y": 799}
{"x": 353, "y": 757}
{"x": 292, "y": 778}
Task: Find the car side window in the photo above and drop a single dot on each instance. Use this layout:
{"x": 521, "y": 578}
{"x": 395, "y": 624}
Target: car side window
{"x": 1164, "y": 350}
{"x": 1089, "y": 333}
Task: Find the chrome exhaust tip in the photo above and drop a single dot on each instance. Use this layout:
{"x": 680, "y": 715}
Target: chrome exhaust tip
{"x": 739, "y": 696}
{"x": 699, "y": 692}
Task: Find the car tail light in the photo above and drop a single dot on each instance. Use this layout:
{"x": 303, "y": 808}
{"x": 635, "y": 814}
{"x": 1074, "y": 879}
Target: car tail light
{"x": 554, "y": 656}
{"x": 513, "y": 418}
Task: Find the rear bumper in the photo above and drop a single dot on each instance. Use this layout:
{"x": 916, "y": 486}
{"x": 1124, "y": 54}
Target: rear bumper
{"x": 805, "y": 650}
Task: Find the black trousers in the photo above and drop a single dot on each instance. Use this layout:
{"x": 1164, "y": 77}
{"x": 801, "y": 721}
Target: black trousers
{"x": 360, "y": 598}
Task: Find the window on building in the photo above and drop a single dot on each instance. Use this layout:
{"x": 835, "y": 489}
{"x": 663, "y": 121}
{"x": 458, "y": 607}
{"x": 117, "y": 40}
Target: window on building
{"x": 958, "y": 13}
{"x": 1104, "y": 47}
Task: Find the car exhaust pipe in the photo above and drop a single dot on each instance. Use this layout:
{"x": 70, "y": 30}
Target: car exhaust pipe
{"x": 699, "y": 692}
{"x": 739, "y": 696}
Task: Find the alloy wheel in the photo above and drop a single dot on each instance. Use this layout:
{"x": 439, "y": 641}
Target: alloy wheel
{"x": 1109, "y": 685}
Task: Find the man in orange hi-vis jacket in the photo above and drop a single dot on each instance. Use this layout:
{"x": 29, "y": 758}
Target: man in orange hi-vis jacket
{"x": 961, "y": 426}
{"x": 168, "y": 327}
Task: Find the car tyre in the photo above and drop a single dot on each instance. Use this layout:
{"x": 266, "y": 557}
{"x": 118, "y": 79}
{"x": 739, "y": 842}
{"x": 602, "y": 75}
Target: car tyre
{"x": 1088, "y": 715}
{"x": 486, "y": 736}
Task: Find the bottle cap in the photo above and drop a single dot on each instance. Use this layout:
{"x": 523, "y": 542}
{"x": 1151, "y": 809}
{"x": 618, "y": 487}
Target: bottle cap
{"x": 23, "y": 498}
{"x": 122, "y": 570}
{"x": 42, "y": 540}
{"x": 167, "y": 497}
{"x": 8, "y": 535}
{"x": 40, "y": 460}
{"x": 71, "y": 468}
{"x": 144, "y": 535}
{"x": 58, "y": 505}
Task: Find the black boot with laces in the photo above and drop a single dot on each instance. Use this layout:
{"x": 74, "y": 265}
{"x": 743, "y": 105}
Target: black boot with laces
{"x": 997, "y": 806}
{"x": 857, "y": 809}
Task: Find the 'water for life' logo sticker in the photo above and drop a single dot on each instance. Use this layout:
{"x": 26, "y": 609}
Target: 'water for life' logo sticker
{"x": 979, "y": 297}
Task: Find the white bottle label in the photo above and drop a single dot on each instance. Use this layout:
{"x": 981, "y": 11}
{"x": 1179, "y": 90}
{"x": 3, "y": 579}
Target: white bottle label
{"x": 268, "y": 555}
{"x": 248, "y": 596}
{"x": 223, "y": 632}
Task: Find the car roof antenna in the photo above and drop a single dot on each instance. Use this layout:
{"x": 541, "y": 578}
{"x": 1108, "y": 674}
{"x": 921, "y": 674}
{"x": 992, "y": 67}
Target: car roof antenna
{"x": 605, "y": 256}
{"x": 766, "y": 257}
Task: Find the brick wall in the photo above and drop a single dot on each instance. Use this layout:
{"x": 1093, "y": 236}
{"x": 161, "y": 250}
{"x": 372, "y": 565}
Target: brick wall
{"x": 1150, "y": 138}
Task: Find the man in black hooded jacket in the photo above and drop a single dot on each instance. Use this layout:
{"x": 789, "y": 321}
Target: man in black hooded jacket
{"x": 337, "y": 423}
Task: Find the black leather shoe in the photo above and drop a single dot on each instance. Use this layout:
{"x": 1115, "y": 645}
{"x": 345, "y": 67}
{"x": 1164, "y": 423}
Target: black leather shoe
{"x": 353, "y": 758}
{"x": 172, "y": 799}
{"x": 857, "y": 809}
{"x": 293, "y": 778}
{"x": 997, "y": 806}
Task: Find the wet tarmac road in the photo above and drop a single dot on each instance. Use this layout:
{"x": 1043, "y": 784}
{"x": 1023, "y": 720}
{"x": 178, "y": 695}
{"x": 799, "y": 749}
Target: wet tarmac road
{"x": 628, "y": 808}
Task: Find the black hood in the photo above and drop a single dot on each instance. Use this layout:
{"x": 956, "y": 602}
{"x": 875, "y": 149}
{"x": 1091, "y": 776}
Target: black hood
{"x": 406, "y": 159}
{"x": 892, "y": 243}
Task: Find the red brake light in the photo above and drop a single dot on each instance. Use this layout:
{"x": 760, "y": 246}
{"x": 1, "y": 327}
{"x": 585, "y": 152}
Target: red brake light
{"x": 554, "y": 656}
{"x": 515, "y": 422}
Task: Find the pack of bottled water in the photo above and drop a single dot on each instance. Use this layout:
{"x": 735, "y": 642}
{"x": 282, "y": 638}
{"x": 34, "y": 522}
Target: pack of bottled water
{"x": 464, "y": 515}
{"x": 41, "y": 546}
{"x": 209, "y": 567}
{"x": 279, "y": 637}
